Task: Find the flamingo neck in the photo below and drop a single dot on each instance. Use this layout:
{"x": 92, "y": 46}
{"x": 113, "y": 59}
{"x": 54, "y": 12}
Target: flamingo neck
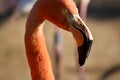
{"x": 36, "y": 51}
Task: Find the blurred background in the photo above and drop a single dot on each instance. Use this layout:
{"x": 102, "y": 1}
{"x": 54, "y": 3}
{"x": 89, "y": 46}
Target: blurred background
{"x": 103, "y": 63}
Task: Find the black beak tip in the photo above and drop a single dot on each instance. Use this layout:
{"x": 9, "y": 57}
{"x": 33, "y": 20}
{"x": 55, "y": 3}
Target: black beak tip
{"x": 83, "y": 51}
{"x": 82, "y": 61}
{"x": 82, "y": 56}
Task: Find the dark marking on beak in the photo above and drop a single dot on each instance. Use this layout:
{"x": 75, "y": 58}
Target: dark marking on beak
{"x": 84, "y": 49}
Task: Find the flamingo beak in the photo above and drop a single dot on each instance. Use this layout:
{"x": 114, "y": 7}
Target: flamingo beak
{"x": 81, "y": 33}
{"x": 85, "y": 47}
{"x": 82, "y": 36}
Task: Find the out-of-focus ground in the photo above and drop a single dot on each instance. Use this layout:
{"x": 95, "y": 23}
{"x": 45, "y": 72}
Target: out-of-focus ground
{"x": 105, "y": 52}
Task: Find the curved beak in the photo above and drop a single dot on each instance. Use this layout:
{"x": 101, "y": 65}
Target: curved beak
{"x": 85, "y": 47}
{"x": 81, "y": 29}
{"x": 82, "y": 36}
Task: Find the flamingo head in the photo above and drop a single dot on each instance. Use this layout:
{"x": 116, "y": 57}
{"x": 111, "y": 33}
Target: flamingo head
{"x": 64, "y": 14}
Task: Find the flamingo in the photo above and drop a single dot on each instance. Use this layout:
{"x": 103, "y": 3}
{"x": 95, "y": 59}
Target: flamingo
{"x": 83, "y": 9}
{"x": 64, "y": 14}
{"x": 58, "y": 53}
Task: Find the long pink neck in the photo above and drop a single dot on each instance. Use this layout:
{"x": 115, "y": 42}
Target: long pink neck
{"x": 38, "y": 57}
